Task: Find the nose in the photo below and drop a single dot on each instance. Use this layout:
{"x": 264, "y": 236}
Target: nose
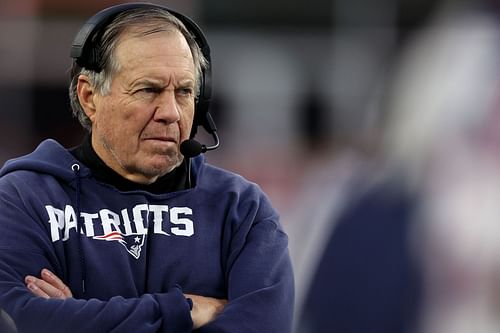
{"x": 167, "y": 110}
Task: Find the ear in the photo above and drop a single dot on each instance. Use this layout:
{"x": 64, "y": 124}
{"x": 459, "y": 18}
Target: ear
{"x": 86, "y": 96}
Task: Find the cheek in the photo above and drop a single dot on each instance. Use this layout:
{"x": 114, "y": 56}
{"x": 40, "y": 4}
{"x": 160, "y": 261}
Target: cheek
{"x": 187, "y": 124}
{"x": 122, "y": 120}
{"x": 185, "y": 129}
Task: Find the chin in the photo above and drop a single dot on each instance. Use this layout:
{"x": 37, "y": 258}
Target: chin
{"x": 163, "y": 165}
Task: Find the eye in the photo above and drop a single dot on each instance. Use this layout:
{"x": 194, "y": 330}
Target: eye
{"x": 149, "y": 90}
{"x": 185, "y": 91}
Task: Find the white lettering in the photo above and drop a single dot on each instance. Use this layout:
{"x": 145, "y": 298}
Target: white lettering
{"x": 126, "y": 222}
{"x": 158, "y": 218}
{"x": 138, "y": 220}
{"x": 188, "y": 229}
{"x": 56, "y": 221}
{"x": 110, "y": 221}
{"x": 89, "y": 225}
{"x": 62, "y": 221}
{"x": 69, "y": 221}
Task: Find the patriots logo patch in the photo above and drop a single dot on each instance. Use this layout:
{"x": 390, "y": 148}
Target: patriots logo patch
{"x": 133, "y": 242}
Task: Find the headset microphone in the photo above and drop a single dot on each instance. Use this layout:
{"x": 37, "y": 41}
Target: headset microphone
{"x": 192, "y": 148}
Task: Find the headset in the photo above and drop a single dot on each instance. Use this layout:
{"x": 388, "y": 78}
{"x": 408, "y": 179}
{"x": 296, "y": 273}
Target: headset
{"x": 85, "y": 52}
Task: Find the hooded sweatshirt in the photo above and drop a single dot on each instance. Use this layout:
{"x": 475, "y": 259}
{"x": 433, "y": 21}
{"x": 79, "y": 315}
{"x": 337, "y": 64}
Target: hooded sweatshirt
{"x": 128, "y": 256}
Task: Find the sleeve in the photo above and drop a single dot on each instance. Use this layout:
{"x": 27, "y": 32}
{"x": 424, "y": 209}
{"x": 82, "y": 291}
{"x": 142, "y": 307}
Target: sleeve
{"x": 260, "y": 282}
{"x": 24, "y": 250}
{"x": 149, "y": 313}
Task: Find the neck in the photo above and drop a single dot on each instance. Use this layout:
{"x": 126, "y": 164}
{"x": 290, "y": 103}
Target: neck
{"x": 174, "y": 181}
{"x": 110, "y": 158}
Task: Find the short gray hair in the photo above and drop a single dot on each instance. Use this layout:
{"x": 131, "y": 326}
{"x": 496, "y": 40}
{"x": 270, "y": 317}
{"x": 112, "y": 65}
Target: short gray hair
{"x": 149, "y": 20}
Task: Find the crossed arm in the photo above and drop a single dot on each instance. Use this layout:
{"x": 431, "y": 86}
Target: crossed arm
{"x": 205, "y": 309}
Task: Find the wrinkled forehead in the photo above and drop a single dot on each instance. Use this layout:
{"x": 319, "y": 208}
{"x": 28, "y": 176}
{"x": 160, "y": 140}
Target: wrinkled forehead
{"x": 156, "y": 54}
{"x": 149, "y": 28}
{"x": 139, "y": 39}
{"x": 155, "y": 37}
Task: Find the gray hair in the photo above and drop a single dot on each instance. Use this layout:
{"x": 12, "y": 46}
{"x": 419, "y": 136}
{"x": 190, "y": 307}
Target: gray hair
{"x": 149, "y": 20}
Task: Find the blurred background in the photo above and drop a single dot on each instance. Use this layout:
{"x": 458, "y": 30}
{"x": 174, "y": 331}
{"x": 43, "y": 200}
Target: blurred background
{"x": 371, "y": 125}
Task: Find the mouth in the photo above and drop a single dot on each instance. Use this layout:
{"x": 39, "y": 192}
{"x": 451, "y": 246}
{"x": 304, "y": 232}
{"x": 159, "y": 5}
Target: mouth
{"x": 161, "y": 139}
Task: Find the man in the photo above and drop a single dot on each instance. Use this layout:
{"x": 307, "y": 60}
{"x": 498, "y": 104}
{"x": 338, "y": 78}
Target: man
{"x": 123, "y": 233}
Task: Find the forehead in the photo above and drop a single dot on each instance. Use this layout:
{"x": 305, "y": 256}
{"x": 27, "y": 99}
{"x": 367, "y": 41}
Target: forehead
{"x": 154, "y": 50}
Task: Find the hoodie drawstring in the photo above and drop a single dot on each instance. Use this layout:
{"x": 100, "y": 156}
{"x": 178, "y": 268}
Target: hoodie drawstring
{"x": 76, "y": 169}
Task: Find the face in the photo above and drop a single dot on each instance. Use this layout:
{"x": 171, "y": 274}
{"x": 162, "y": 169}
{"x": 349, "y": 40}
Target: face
{"x": 137, "y": 128}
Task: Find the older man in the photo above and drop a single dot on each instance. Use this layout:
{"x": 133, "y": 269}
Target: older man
{"x": 123, "y": 233}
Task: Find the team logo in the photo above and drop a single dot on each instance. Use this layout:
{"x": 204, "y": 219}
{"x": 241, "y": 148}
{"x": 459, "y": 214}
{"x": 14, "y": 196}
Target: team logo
{"x": 128, "y": 227}
{"x": 133, "y": 243}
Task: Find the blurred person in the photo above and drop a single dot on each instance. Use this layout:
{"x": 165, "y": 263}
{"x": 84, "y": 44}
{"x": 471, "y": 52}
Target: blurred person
{"x": 132, "y": 231}
{"x": 415, "y": 248}
{"x": 363, "y": 277}
{"x": 446, "y": 137}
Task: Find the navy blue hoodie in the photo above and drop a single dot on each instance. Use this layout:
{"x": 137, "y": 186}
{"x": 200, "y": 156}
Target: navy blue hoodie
{"x": 130, "y": 256}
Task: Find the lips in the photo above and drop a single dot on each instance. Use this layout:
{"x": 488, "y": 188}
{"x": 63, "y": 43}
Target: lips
{"x": 161, "y": 138}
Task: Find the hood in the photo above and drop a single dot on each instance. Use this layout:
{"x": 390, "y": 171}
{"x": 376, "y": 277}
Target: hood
{"x": 49, "y": 157}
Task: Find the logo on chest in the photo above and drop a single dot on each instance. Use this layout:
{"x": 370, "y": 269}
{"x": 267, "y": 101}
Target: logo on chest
{"x": 129, "y": 227}
{"x": 133, "y": 243}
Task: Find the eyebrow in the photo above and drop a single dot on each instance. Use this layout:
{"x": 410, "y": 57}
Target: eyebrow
{"x": 187, "y": 82}
{"x": 160, "y": 83}
{"x": 149, "y": 82}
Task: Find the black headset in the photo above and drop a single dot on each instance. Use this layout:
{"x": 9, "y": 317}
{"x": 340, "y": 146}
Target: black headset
{"x": 85, "y": 52}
